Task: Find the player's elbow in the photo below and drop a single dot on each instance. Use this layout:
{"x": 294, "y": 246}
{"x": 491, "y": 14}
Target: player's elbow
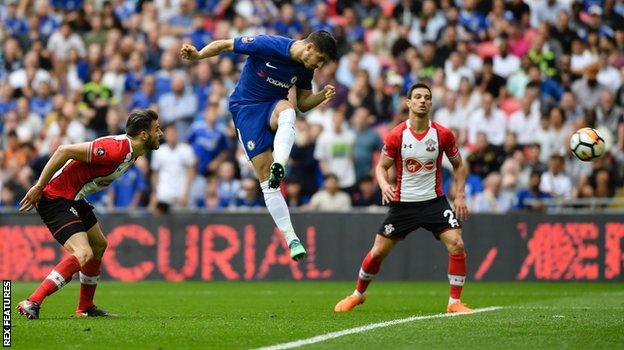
{"x": 62, "y": 151}
{"x": 302, "y": 107}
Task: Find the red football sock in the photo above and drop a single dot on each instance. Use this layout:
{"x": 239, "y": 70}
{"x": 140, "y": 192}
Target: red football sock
{"x": 369, "y": 269}
{"x": 89, "y": 275}
{"x": 457, "y": 273}
{"x": 58, "y": 277}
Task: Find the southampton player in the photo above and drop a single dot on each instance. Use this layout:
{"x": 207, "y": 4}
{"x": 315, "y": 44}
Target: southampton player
{"x": 72, "y": 173}
{"x": 263, "y": 116}
{"x": 416, "y": 148}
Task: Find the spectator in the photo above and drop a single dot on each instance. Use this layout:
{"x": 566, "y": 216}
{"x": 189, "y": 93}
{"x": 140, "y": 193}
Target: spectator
{"x": 303, "y": 165}
{"x": 485, "y": 158}
{"x": 525, "y": 122}
{"x": 173, "y": 169}
{"x": 451, "y": 117}
{"x": 97, "y": 98}
{"x": 294, "y": 194}
{"x": 41, "y": 102}
{"x": 531, "y": 198}
{"x": 553, "y": 135}
{"x": 555, "y": 181}
{"x": 29, "y": 123}
{"x": 63, "y": 40}
{"x": 367, "y": 143}
{"x": 505, "y": 64}
{"x": 53, "y": 92}
{"x": 127, "y": 190}
{"x": 489, "y": 81}
{"x": 488, "y": 119}
{"x": 146, "y": 97}
{"x": 454, "y": 71}
{"x": 588, "y": 90}
{"x": 601, "y": 182}
{"x": 468, "y": 98}
{"x": 208, "y": 142}
{"x": 250, "y": 195}
{"x": 382, "y": 102}
{"x": 228, "y": 186}
{"x": 27, "y": 79}
{"x": 571, "y": 110}
{"x": 320, "y": 21}
{"x": 361, "y": 94}
{"x": 202, "y": 84}
{"x": 115, "y": 77}
{"x": 492, "y": 199}
{"x": 608, "y": 75}
{"x": 330, "y": 198}
{"x": 287, "y": 25}
{"x": 178, "y": 106}
{"x": 608, "y": 114}
{"x": 65, "y": 130}
{"x": 97, "y": 34}
{"x": 334, "y": 151}
{"x": 383, "y": 37}
{"x": 368, "y": 194}
{"x": 211, "y": 200}
{"x": 165, "y": 74}
{"x": 8, "y": 198}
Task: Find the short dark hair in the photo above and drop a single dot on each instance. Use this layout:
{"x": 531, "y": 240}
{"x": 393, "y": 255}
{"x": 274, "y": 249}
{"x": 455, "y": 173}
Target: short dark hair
{"x": 140, "y": 120}
{"x": 416, "y": 86}
{"x": 331, "y": 176}
{"x": 324, "y": 42}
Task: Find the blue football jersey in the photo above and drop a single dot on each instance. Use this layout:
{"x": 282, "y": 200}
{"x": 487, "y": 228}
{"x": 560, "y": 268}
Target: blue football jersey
{"x": 269, "y": 71}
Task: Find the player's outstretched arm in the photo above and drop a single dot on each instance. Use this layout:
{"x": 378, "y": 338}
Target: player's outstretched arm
{"x": 382, "y": 174}
{"x": 306, "y": 100}
{"x": 63, "y": 153}
{"x": 189, "y": 52}
{"x": 460, "y": 171}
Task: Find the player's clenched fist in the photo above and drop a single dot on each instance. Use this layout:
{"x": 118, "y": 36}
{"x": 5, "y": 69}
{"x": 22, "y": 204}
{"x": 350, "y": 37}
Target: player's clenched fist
{"x": 329, "y": 93}
{"x": 189, "y": 52}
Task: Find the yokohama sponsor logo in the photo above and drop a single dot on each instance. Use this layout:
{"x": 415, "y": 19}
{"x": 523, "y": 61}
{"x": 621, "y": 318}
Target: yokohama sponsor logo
{"x": 278, "y": 83}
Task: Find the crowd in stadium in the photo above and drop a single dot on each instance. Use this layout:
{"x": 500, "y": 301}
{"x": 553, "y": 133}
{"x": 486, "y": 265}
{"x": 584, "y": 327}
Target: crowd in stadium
{"x": 513, "y": 80}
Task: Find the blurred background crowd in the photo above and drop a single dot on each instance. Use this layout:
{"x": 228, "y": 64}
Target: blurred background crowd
{"x": 512, "y": 78}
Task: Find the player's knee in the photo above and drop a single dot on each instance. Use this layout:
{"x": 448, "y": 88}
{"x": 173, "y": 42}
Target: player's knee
{"x": 83, "y": 255}
{"x": 377, "y": 255}
{"x": 456, "y": 247}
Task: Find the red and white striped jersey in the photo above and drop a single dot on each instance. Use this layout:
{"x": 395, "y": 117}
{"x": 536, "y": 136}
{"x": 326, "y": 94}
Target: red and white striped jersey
{"x": 109, "y": 158}
{"x": 418, "y": 160}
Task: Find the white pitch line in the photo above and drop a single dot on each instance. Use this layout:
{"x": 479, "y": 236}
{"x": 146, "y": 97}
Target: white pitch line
{"x": 368, "y": 327}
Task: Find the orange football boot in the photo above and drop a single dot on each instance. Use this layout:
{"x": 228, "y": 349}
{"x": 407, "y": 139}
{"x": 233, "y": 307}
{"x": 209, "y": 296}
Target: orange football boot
{"x": 349, "y": 302}
{"x": 459, "y": 307}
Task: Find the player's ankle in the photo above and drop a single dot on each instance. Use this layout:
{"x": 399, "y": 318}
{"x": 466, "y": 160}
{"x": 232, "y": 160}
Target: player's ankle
{"x": 357, "y": 293}
{"x": 452, "y": 300}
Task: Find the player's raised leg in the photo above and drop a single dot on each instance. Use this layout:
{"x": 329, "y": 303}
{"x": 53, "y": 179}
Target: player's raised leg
{"x": 90, "y": 274}
{"x": 456, "y": 269}
{"x": 78, "y": 246}
{"x": 283, "y": 123}
{"x": 276, "y": 204}
{"x": 370, "y": 267}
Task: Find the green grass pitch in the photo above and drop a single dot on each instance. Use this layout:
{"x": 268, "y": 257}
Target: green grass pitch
{"x": 222, "y": 315}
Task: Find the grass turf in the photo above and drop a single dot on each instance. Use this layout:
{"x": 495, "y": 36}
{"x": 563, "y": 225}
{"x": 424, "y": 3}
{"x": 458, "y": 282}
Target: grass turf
{"x": 201, "y": 315}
